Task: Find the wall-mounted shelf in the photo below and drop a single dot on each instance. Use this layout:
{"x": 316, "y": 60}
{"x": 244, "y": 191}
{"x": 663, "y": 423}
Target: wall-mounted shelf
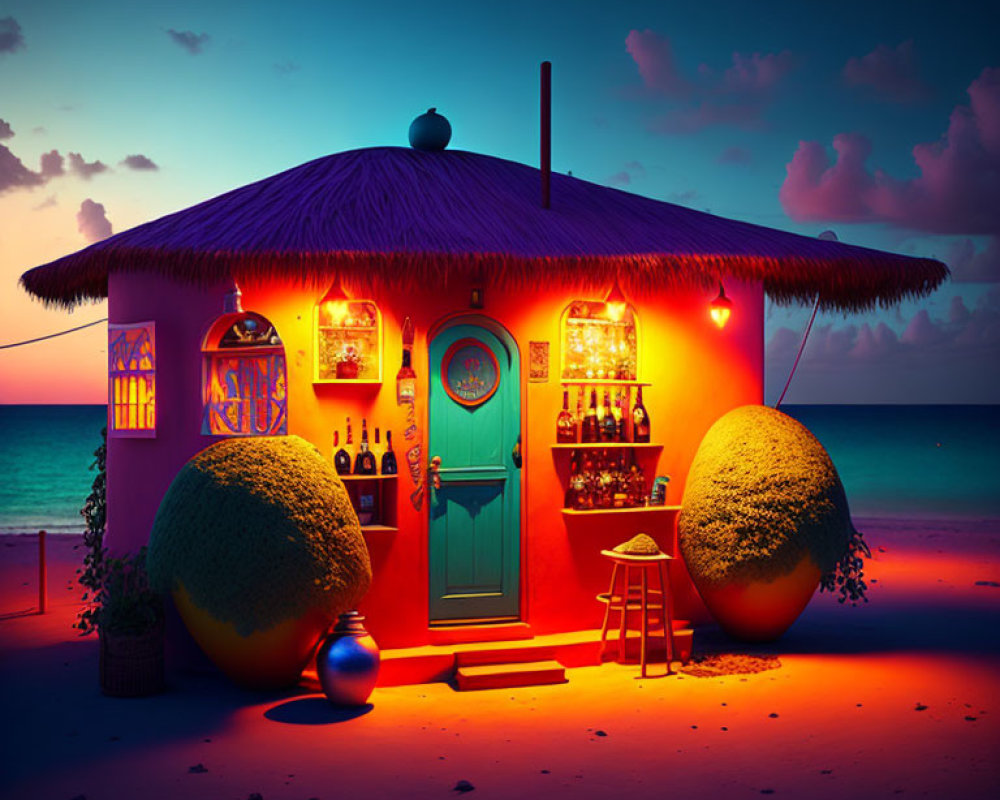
{"x": 600, "y": 382}
{"x": 606, "y": 445}
{"x": 378, "y": 529}
{"x": 353, "y": 477}
{"x": 572, "y": 512}
{"x": 347, "y": 381}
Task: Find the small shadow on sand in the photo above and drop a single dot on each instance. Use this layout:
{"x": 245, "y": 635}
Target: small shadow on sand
{"x": 314, "y": 711}
{"x": 28, "y": 612}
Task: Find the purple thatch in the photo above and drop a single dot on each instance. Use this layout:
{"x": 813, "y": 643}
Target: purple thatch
{"x": 400, "y": 218}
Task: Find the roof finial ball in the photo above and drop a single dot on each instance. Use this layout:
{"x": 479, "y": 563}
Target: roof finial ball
{"x": 430, "y": 131}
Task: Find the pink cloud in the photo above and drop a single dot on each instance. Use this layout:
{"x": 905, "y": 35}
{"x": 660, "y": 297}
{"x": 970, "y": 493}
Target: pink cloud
{"x": 874, "y": 344}
{"x": 92, "y": 221}
{"x": 893, "y": 74}
{"x": 140, "y": 162}
{"x": 11, "y": 38}
{"x": 757, "y": 72}
{"x": 621, "y": 178}
{"x": 85, "y": 169}
{"x": 13, "y": 173}
{"x": 654, "y": 56}
{"x": 957, "y": 191}
{"x": 193, "y": 42}
{"x": 738, "y": 96}
{"x": 52, "y": 164}
{"x": 6, "y": 132}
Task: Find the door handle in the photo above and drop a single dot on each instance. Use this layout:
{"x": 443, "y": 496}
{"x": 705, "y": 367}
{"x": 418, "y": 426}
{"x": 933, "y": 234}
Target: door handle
{"x": 435, "y": 472}
{"x": 515, "y": 454}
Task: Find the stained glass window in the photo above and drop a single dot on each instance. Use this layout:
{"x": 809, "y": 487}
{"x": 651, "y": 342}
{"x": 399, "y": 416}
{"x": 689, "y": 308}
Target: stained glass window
{"x": 132, "y": 379}
{"x": 244, "y": 380}
{"x": 598, "y": 344}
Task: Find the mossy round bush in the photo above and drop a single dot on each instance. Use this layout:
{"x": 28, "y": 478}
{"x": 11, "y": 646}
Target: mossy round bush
{"x": 762, "y": 493}
{"x": 259, "y": 530}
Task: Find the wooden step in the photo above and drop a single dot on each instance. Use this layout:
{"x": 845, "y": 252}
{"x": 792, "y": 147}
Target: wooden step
{"x": 504, "y": 676}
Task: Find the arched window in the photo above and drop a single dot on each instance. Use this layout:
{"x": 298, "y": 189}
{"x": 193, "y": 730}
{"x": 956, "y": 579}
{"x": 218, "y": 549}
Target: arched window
{"x": 599, "y": 341}
{"x": 244, "y": 379}
{"x": 132, "y": 379}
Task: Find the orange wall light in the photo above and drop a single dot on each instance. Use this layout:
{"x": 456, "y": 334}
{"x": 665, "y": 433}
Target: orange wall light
{"x": 616, "y": 302}
{"x": 720, "y": 308}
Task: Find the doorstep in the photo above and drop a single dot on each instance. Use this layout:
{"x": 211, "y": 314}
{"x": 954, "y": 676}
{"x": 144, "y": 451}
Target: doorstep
{"x": 438, "y": 662}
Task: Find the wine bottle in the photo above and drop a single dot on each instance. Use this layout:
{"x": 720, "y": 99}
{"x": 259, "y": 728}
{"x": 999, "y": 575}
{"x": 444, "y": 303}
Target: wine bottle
{"x": 388, "y": 457}
{"x": 640, "y": 420}
{"x": 364, "y": 461}
{"x": 406, "y": 378}
{"x": 342, "y": 458}
{"x": 590, "y": 431}
{"x": 621, "y": 429}
{"x": 608, "y": 428}
{"x": 565, "y": 425}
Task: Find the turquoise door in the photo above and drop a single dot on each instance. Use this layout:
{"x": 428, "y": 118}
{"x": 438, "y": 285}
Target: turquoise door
{"x": 475, "y": 515}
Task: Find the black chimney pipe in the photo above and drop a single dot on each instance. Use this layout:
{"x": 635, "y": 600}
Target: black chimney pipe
{"x": 546, "y": 131}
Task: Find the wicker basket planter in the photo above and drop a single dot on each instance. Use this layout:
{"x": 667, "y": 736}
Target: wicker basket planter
{"x": 132, "y": 666}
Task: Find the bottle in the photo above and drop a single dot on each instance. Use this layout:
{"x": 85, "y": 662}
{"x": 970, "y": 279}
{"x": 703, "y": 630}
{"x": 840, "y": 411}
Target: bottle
{"x": 621, "y": 429}
{"x": 589, "y": 430}
{"x": 575, "y": 482}
{"x": 406, "y": 378}
{"x": 565, "y": 425}
{"x": 364, "y": 461}
{"x": 640, "y": 420}
{"x": 608, "y": 428}
{"x": 341, "y": 458}
{"x": 388, "y": 457}
{"x": 377, "y": 448}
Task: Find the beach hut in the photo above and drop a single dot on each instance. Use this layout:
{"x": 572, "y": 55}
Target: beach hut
{"x": 432, "y": 294}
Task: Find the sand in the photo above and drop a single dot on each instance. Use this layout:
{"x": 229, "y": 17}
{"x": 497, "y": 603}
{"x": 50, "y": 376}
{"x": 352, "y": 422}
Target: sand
{"x": 897, "y": 698}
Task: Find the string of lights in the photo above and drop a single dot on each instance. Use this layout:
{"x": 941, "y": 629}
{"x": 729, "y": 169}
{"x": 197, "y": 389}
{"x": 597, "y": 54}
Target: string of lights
{"x": 53, "y": 335}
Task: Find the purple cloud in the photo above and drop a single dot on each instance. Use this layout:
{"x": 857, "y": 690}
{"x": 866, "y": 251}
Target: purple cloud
{"x": 738, "y": 96}
{"x": 11, "y": 38}
{"x": 892, "y": 74}
{"x": 140, "y": 162}
{"x": 734, "y": 155}
{"x": 6, "y": 132}
{"x": 969, "y": 265}
{"x": 957, "y": 191}
{"x": 621, "y": 178}
{"x": 13, "y": 174}
{"x": 48, "y": 202}
{"x": 85, "y": 169}
{"x": 189, "y": 40}
{"x": 654, "y": 56}
{"x": 52, "y": 164}
{"x": 92, "y": 222}
{"x": 757, "y": 73}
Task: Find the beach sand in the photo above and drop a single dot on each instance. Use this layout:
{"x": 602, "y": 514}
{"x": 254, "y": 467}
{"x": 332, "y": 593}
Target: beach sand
{"x": 896, "y": 698}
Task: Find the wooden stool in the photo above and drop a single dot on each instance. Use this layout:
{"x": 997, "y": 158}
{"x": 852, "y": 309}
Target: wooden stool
{"x": 638, "y": 597}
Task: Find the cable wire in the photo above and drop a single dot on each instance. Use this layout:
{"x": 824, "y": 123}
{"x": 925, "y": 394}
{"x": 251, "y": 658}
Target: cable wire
{"x": 798, "y": 355}
{"x": 53, "y": 335}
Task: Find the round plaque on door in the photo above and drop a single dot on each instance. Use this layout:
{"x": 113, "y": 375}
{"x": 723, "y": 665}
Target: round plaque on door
{"x": 469, "y": 372}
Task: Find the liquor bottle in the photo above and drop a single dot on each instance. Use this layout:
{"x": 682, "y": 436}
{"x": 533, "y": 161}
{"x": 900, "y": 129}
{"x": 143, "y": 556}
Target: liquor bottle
{"x": 640, "y": 420}
{"x": 377, "y": 448}
{"x": 608, "y": 429}
{"x": 388, "y": 457}
{"x": 406, "y": 378}
{"x": 364, "y": 461}
{"x": 621, "y": 429}
{"x": 575, "y": 481}
{"x": 589, "y": 430}
{"x": 341, "y": 458}
{"x": 565, "y": 425}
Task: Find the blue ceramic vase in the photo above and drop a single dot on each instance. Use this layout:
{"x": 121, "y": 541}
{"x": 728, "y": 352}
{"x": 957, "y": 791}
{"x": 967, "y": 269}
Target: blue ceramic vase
{"x": 347, "y": 662}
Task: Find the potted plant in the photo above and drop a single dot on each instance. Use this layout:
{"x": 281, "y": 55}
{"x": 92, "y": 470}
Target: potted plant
{"x": 350, "y": 362}
{"x": 120, "y": 606}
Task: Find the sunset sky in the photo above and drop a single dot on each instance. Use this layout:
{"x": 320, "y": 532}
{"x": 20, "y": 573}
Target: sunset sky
{"x": 880, "y": 121}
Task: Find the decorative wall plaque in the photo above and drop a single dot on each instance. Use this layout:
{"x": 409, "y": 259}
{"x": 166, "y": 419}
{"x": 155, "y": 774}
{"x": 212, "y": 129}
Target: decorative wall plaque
{"x": 470, "y": 372}
{"x": 538, "y": 362}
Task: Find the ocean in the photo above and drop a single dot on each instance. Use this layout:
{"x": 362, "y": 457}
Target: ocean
{"x": 895, "y": 461}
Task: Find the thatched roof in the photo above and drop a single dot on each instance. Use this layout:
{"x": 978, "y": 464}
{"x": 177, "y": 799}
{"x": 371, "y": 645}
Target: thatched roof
{"x": 389, "y": 216}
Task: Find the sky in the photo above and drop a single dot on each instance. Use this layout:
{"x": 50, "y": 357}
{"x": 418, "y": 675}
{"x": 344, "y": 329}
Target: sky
{"x": 878, "y": 121}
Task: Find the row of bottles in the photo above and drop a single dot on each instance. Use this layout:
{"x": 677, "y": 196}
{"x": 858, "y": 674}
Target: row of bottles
{"x": 602, "y": 480}
{"x": 365, "y": 461}
{"x": 608, "y": 422}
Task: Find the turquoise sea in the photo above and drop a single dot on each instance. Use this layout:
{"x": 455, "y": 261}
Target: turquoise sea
{"x": 895, "y": 461}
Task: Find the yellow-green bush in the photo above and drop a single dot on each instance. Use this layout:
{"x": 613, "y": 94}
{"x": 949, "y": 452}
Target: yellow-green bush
{"x": 762, "y": 492}
{"x": 259, "y": 530}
